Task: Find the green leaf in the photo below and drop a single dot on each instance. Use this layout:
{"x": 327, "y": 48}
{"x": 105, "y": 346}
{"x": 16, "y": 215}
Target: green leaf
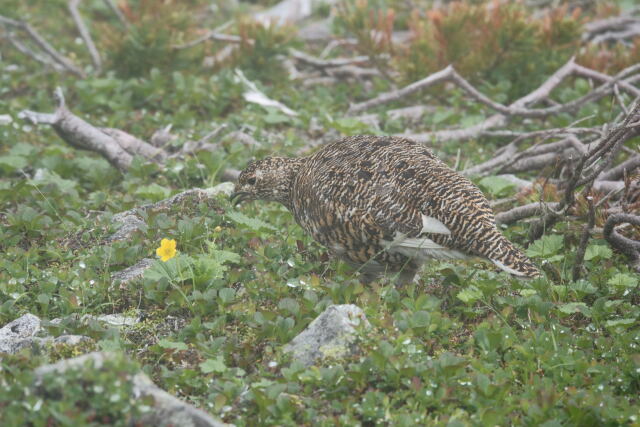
{"x": 253, "y": 223}
{"x": 12, "y": 163}
{"x": 226, "y": 295}
{"x": 166, "y": 343}
{"x": 575, "y": 307}
{"x": 421, "y": 319}
{"x": 469, "y": 295}
{"x": 546, "y": 246}
{"x": 213, "y": 365}
{"x": 598, "y": 251}
{"x": 619, "y": 322}
{"x": 153, "y": 192}
{"x": 623, "y": 280}
{"x": 496, "y": 185}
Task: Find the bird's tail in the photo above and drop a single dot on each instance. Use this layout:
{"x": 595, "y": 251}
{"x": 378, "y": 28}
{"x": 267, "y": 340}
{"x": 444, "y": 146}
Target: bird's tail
{"x": 511, "y": 259}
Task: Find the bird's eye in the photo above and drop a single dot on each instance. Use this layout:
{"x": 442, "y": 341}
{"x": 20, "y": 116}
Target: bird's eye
{"x": 251, "y": 181}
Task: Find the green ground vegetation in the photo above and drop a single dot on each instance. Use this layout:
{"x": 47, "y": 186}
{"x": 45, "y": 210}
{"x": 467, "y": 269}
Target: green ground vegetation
{"x": 464, "y": 346}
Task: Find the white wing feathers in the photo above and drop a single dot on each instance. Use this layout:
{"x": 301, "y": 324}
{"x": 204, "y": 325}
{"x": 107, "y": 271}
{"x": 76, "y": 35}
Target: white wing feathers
{"x": 423, "y": 247}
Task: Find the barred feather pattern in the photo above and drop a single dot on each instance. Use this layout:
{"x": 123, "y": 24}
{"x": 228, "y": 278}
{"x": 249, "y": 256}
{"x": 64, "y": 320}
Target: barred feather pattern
{"x": 385, "y": 204}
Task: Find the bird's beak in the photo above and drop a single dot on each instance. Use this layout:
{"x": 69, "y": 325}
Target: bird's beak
{"x": 238, "y": 197}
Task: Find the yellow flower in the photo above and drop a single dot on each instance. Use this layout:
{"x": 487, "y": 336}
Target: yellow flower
{"x": 167, "y": 249}
{"x": 217, "y": 229}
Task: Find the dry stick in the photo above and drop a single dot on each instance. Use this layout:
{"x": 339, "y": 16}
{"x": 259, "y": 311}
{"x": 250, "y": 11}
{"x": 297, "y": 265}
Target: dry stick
{"x": 584, "y": 238}
{"x": 117, "y": 146}
{"x": 543, "y": 91}
{"x": 618, "y": 172}
{"x": 20, "y": 47}
{"x": 525, "y": 211}
{"x": 84, "y": 34}
{"x": 116, "y": 10}
{"x": 450, "y": 74}
{"x": 80, "y": 134}
{"x": 326, "y": 63}
{"x": 43, "y": 44}
{"x": 536, "y": 133}
{"x": 630, "y": 248}
{"x": 499, "y": 119}
{"x": 485, "y": 168}
{"x": 212, "y": 35}
{"x": 609, "y": 145}
{"x": 135, "y": 146}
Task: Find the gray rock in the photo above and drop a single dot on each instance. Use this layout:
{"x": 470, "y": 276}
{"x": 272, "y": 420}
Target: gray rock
{"x": 21, "y": 333}
{"x": 222, "y": 188}
{"x": 167, "y": 410}
{"x": 129, "y": 224}
{"x": 331, "y": 334}
{"x": 131, "y": 274}
{"x": 118, "y": 320}
{"x": 130, "y": 221}
{"x": 14, "y": 333}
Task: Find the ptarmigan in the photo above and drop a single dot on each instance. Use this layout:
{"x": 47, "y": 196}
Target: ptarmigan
{"x": 384, "y": 205}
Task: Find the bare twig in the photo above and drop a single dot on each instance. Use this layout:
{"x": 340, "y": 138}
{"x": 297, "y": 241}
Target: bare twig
{"x": 584, "y": 239}
{"x": 116, "y": 11}
{"x": 450, "y": 74}
{"x": 526, "y": 211}
{"x": 326, "y": 63}
{"x": 81, "y": 134}
{"x": 212, "y": 35}
{"x": 485, "y": 168}
{"x": 22, "y": 48}
{"x": 618, "y": 172}
{"x": 629, "y": 247}
{"x": 43, "y": 44}
{"x": 85, "y": 34}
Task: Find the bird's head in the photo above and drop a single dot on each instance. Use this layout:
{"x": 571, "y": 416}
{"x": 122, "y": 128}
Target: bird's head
{"x": 268, "y": 179}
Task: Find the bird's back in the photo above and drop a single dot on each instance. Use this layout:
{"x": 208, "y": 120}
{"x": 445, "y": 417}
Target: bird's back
{"x": 390, "y": 191}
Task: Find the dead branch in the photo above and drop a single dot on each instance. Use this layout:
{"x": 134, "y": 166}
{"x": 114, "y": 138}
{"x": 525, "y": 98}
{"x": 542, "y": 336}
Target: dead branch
{"x": 525, "y": 211}
{"x": 135, "y": 146}
{"x": 116, "y": 11}
{"x": 607, "y": 148}
{"x": 485, "y": 168}
{"x": 498, "y": 120}
{"x": 619, "y": 28}
{"x": 62, "y": 60}
{"x": 85, "y": 34}
{"x": 584, "y": 239}
{"x": 629, "y": 247}
{"x": 307, "y": 59}
{"x": 80, "y": 134}
{"x": 115, "y": 145}
{"x": 25, "y": 50}
{"x": 623, "y": 168}
{"x": 212, "y": 35}
{"x": 450, "y": 74}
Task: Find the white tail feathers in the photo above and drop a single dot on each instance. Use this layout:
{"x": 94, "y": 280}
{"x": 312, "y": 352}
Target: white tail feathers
{"x": 509, "y": 270}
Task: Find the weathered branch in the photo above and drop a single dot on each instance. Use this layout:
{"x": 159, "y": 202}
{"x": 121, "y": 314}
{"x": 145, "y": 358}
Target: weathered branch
{"x": 85, "y": 34}
{"x": 584, "y": 239}
{"x": 629, "y": 247}
{"x": 450, "y": 74}
{"x": 326, "y": 63}
{"x": 115, "y": 145}
{"x": 116, "y": 11}
{"x": 212, "y": 35}
{"x": 43, "y": 44}
{"x": 80, "y": 134}
{"x": 525, "y": 211}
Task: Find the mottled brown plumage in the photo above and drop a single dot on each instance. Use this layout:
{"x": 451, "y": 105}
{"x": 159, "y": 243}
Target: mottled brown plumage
{"x": 384, "y": 204}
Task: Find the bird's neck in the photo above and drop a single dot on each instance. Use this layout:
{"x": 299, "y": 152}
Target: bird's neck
{"x": 291, "y": 169}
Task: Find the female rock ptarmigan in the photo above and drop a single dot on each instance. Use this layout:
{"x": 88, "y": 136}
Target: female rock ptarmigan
{"x": 384, "y": 204}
